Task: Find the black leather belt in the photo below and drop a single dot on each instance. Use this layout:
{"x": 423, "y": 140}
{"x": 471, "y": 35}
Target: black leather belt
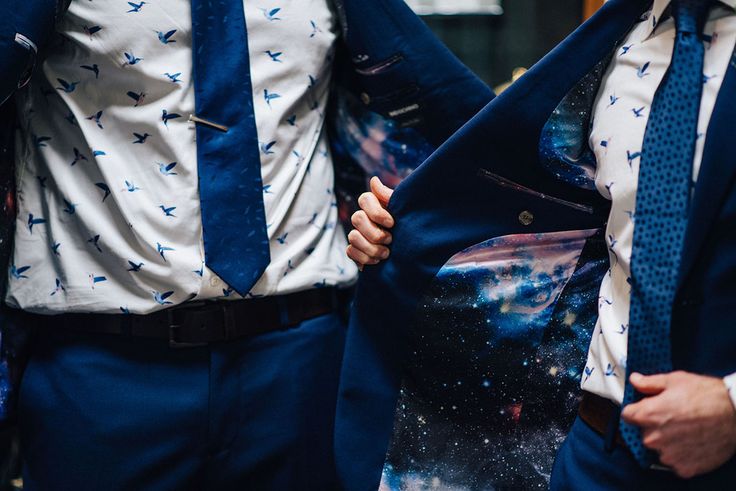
{"x": 200, "y": 323}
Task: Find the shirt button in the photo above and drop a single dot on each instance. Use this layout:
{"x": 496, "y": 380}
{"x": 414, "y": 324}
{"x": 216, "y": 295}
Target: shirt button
{"x": 365, "y": 98}
{"x": 526, "y": 218}
{"x": 214, "y": 282}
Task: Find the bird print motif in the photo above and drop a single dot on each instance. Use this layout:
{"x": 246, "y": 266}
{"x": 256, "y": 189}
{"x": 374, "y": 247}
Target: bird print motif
{"x": 116, "y": 82}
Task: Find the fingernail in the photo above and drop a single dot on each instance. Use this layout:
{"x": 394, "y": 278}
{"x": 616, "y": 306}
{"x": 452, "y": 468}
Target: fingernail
{"x": 635, "y": 377}
{"x": 384, "y": 255}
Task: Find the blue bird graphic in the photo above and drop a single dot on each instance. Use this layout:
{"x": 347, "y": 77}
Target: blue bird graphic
{"x": 78, "y": 156}
{"x": 312, "y": 82}
{"x": 270, "y": 15}
{"x": 131, "y": 187}
{"x": 266, "y": 147}
{"x": 17, "y": 273}
{"x": 631, "y": 156}
{"x": 606, "y": 143}
{"x": 226, "y": 292}
{"x": 611, "y": 371}
{"x": 313, "y": 219}
{"x": 274, "y": 56}
{"x": 91, "y": 31}
{"x": 125, "y": 310}
{"x": 623, "y": 328}
{"x": 270, "y": 96}
{"x": 165, "y": 37}
{"x": 315, "y": 29}
{"x": 169, "y": 212}
{"x": 604, "y": 300}
{"x": 167, "y": 169}
{"x": 625, "y": 49}
{"x": 299, "y": 158}
{"x": 282, "y": 240}
{"x": 42, "y": 180}
{"x": 40, "y": 141}
{"x": 135, "y": 7}
{"x": 588, "y": 372}
{"x": 95, "y": 241}
{"x": 321, "y": 284}
{"x": 199, "y": 272}
{"x": 308, "y": 251}
{"x": 611, "y": 244}
{"x": 173, "y": 77}
{"x": 608, "y": 188}
{"x": 138, "y": 97}
{"x": 59, "y": 287}
{"x": 131, "y": 59}
{"x": 631, "y": 215}
{"x": 71, "y": 119}
{"x": 706, "y": 78}
{"x": 162, "y": 250}
{"x": 166, "y": 117}
{"x": 289, "y": 267}
{"x": 291, "y": 120}
{"x": 161, "y": 297}
{"x": 55, "y": 248}
{"x": 98, "y": 153}
{"x": 105, "y": 189}
{"x": 70, "y": 207}
{"x": 92, "y": 68}
{"x": 141, "y": 138}
{"x": 638, "y": 112}
{"x": 612, "y": 99}
{"x": 267, "y": 189}
{"x": 95, "y": 279}
{"x": 641, "y": 71}
{"x": 34, "y": 221}
{"x": 134, "y": 268}
{"x": 97, "y": 117}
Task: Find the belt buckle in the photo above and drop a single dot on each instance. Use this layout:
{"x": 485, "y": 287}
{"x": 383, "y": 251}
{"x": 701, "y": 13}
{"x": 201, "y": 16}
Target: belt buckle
{"x": 174, "y": 342}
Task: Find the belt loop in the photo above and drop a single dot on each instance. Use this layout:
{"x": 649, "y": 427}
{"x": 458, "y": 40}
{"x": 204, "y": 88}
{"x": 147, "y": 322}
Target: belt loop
{"x": 612, "y": 431}
{"x": 284, "y": 314}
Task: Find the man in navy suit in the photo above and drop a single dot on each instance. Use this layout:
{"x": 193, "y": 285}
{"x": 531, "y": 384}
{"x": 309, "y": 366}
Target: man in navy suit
{"x": 622, "y": 131}
{"x": 196, "y": 338}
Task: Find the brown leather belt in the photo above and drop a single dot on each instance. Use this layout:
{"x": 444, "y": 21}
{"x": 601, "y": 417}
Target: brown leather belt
{"x": 600, "y": 413}
{"x": 200, "y": 323}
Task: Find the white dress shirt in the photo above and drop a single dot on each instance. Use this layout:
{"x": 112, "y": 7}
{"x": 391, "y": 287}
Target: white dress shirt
{"x": 617, "y": 133}
{"x": 109, "y": 215}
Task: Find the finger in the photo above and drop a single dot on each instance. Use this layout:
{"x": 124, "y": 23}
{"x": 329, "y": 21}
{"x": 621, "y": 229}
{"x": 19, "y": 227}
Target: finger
{"x": 652, "y": 438}
{"x": 360, "y": 258}
{"x": 649, "y": 385}
{"x": 382, "y": 192}
{"x": 369, "y": 229}
{"x": 375, "y": 210}
{"x": 373, "y": 251}
{"x": 643, "y": 413}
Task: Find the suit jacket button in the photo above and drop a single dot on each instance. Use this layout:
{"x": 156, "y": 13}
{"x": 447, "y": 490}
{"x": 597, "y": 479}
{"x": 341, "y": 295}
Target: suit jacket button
{"x": 526, "y": 218}
{"x": 365, "y": 98}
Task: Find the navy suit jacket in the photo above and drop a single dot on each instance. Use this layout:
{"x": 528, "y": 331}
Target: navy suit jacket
{"x": 517, "y": 176}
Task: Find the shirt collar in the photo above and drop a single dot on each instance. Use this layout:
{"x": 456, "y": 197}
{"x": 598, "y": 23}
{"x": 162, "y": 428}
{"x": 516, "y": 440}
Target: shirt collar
{"x": 660, "y": 6}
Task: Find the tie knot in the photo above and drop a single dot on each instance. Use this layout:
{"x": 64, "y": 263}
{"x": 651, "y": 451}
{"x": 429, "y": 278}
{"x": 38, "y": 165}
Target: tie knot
{"x": 690, "y": 15}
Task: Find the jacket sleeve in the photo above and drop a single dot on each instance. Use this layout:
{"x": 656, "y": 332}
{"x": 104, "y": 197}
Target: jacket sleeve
{"x": 25, "y": 27}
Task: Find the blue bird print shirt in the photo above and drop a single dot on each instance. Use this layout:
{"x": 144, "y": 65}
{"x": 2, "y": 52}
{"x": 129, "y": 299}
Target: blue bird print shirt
{"x": 617, "y": 133}
{"x": 109, "y": 215}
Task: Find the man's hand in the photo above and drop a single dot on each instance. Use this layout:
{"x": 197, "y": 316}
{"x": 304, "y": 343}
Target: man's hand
{"x": 370, "y": 237}
{"x": 688, "y": 419}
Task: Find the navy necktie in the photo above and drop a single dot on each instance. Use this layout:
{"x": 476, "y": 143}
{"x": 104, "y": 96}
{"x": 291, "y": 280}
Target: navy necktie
{"x": 230, "y": 185}
{"x": 662, "y": 208}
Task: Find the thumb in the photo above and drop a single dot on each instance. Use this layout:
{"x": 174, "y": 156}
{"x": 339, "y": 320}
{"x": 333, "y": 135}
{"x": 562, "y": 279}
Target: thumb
{"x": 649, "y": 385}
{"x": 382, "y": 192}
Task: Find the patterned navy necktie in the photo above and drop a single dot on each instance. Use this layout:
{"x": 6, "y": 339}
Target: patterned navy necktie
{"x": 662, "y": 208}
{"x": 230, "y": 184}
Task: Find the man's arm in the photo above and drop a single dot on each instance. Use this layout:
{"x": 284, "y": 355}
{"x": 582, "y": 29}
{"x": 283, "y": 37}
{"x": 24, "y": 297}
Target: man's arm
{"x": 25, "y": 28}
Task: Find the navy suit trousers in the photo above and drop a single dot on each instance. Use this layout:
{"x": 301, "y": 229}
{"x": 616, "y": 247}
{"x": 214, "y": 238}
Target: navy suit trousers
{"x": 583, "y": 464}
{"x": 110, "y": 413}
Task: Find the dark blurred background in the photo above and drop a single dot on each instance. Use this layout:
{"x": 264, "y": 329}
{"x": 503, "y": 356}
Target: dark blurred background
{"x": 494, "y": 45}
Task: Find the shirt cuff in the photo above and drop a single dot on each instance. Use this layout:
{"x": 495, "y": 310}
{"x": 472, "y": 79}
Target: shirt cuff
{"x": 731, "y": 386}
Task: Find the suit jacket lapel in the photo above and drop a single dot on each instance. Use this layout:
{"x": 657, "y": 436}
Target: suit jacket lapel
{"x": 717, "y": 172}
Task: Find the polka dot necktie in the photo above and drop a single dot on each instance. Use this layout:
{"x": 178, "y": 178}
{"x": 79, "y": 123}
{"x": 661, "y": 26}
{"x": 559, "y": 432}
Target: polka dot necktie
{"x": 662, "y": 208}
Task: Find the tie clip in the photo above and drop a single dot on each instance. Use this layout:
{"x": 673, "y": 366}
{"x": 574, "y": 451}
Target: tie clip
{"x": 198, "y": 120}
